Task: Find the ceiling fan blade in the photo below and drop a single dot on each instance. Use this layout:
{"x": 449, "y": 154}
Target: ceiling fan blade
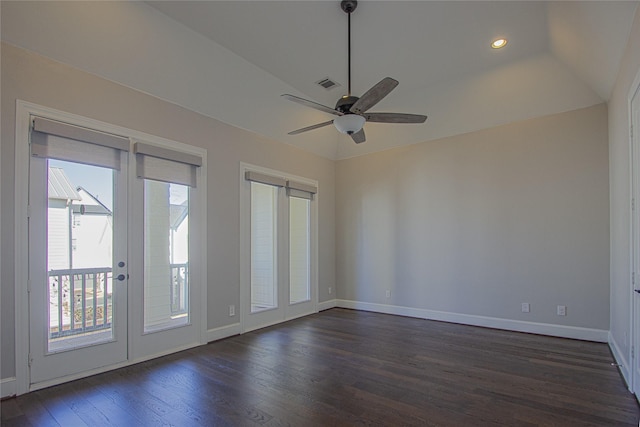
{"x": 311, "y": 104}
{"x": 395, "y": 118}
{"x": 312, "y": 127}
{"x": 358, "y": 137}
{"x": 374, "y": 95}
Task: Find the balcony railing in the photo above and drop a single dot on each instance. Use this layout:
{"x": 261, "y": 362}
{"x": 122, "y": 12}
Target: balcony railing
{"x": 79, "y": 301}
{"x": 179, "y": 288}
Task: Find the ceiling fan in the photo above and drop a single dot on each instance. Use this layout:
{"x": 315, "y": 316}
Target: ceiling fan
{"x": 351, "y": 110}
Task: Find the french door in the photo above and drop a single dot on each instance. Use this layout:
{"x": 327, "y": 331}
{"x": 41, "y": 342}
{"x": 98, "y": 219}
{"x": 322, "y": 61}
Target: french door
{"x": 115, "y": 250}
{"x": 279, "y": 248}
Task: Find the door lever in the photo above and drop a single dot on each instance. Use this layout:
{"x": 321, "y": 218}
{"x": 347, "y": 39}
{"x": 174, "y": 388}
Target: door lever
{"x": 637, "y": 290}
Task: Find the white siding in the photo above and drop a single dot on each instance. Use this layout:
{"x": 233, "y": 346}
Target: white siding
{"x": 58, "y": 235}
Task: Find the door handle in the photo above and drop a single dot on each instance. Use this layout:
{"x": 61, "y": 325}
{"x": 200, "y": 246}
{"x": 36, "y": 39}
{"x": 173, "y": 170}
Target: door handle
{"x": 120, "y": 277}
{"x": 637, "y": 290}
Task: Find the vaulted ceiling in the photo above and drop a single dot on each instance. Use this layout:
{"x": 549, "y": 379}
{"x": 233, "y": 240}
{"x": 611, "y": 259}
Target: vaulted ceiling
{"x": 232, "y": 60}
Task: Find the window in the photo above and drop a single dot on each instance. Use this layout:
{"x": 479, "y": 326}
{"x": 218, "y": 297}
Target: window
{"x": 299, "y": 250}
{"x": 264, "y": 247}
{"x": 278, "y": 256}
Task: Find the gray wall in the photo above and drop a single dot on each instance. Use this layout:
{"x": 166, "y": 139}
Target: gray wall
{"x": 619, "y": 154}
{"x": 479, "y": 223}
{"x": 33, "y": 78}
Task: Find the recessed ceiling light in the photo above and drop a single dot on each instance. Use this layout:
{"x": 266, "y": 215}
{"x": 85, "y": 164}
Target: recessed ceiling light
{"x": 499, "y": 43}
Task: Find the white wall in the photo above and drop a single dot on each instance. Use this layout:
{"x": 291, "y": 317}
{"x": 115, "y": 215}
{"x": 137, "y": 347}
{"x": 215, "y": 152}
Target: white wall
{"x": 619, "y": 176}
{"x": 30, "y": 77}
{"x": 479, "y": 223}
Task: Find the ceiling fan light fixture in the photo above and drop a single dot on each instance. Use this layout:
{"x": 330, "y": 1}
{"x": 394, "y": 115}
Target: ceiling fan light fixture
{"x": 499, "y": 43}
{"x": 349, "y": 123}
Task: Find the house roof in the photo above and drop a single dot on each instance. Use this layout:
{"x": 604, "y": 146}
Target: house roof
{"x": 60, "y": 187}
{"x": 90, "y": 204}
{"x": 177, "y": 214}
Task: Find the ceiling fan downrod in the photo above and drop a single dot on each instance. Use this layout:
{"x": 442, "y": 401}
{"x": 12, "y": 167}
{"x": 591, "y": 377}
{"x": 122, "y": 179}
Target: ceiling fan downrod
{"x": 348, "y": 6}
{"x": 350, "y": 110}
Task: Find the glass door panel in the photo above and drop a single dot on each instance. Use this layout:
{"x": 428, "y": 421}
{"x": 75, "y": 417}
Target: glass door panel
{"x": 166, "y": 255}
{"x": 79, "y": 255}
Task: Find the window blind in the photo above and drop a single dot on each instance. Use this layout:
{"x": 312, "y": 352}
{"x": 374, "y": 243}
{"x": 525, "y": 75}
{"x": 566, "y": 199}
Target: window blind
{"x": 294, "y": 189}
{"x": 57, "y": 140}
{"x": 265, "y": 179}
{"x": 300, "y": 190}
{"x": 163, "y": 164}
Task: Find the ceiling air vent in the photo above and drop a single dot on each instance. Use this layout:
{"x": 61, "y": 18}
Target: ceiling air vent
{"x": 327, "y": 83}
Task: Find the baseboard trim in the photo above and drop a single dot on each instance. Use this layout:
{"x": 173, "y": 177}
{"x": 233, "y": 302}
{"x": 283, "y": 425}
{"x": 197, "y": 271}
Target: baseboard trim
{"x": 620, "y": 359}
{"x": 216, "y": 334}
{"x": 574, "y": 332}
{"x": 326, "y": 305}
{"x": 7, "y": 387}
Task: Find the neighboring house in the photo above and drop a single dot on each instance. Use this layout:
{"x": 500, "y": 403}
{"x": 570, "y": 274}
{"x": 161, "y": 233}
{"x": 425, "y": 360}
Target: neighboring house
{"x": 79, "y": 226}
{"x": 61, "y": 195}
{"x": 179, "y": 225}
{"x": 92, "y": 229}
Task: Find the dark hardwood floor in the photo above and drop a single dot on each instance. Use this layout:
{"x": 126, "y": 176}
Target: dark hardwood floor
{"x": 344, "y": 367}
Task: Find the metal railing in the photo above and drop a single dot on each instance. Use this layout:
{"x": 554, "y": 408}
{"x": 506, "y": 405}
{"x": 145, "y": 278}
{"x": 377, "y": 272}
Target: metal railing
{"x": 179, "y": 288}
{"x": 79, "y": 301}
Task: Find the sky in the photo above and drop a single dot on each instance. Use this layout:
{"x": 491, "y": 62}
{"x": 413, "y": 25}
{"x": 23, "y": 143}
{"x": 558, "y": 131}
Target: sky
{"x": 96, "y": 180}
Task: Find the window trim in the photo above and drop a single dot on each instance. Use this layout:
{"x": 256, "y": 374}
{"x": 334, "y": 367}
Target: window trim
{"x": 246, "y": 172}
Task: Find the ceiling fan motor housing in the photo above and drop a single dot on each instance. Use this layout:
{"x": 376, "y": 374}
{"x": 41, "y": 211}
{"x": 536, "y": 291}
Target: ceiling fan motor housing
{"x": 344, "y": 104}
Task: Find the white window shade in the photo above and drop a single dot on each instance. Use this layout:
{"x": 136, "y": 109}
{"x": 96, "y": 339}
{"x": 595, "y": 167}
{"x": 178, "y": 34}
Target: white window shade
{"x": 163, "y": 164}
{"x": 265, "y": 179}
{"x": 57, "y": 140}
{"x": 300, "y": 190}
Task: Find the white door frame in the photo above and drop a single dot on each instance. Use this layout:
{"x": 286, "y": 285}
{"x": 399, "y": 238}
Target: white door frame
{"x": 634, "y": 300}
{"x": 245, "y": 248}
{"x": 24, "y": 111}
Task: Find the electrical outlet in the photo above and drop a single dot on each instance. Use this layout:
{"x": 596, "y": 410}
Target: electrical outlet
{"x": 526, "y": 307}
{"x": 232, "y": 310}
{"x": 330, "y": 290}
{"x": 562, "y": 310}
{"x": 387, "y": 293}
